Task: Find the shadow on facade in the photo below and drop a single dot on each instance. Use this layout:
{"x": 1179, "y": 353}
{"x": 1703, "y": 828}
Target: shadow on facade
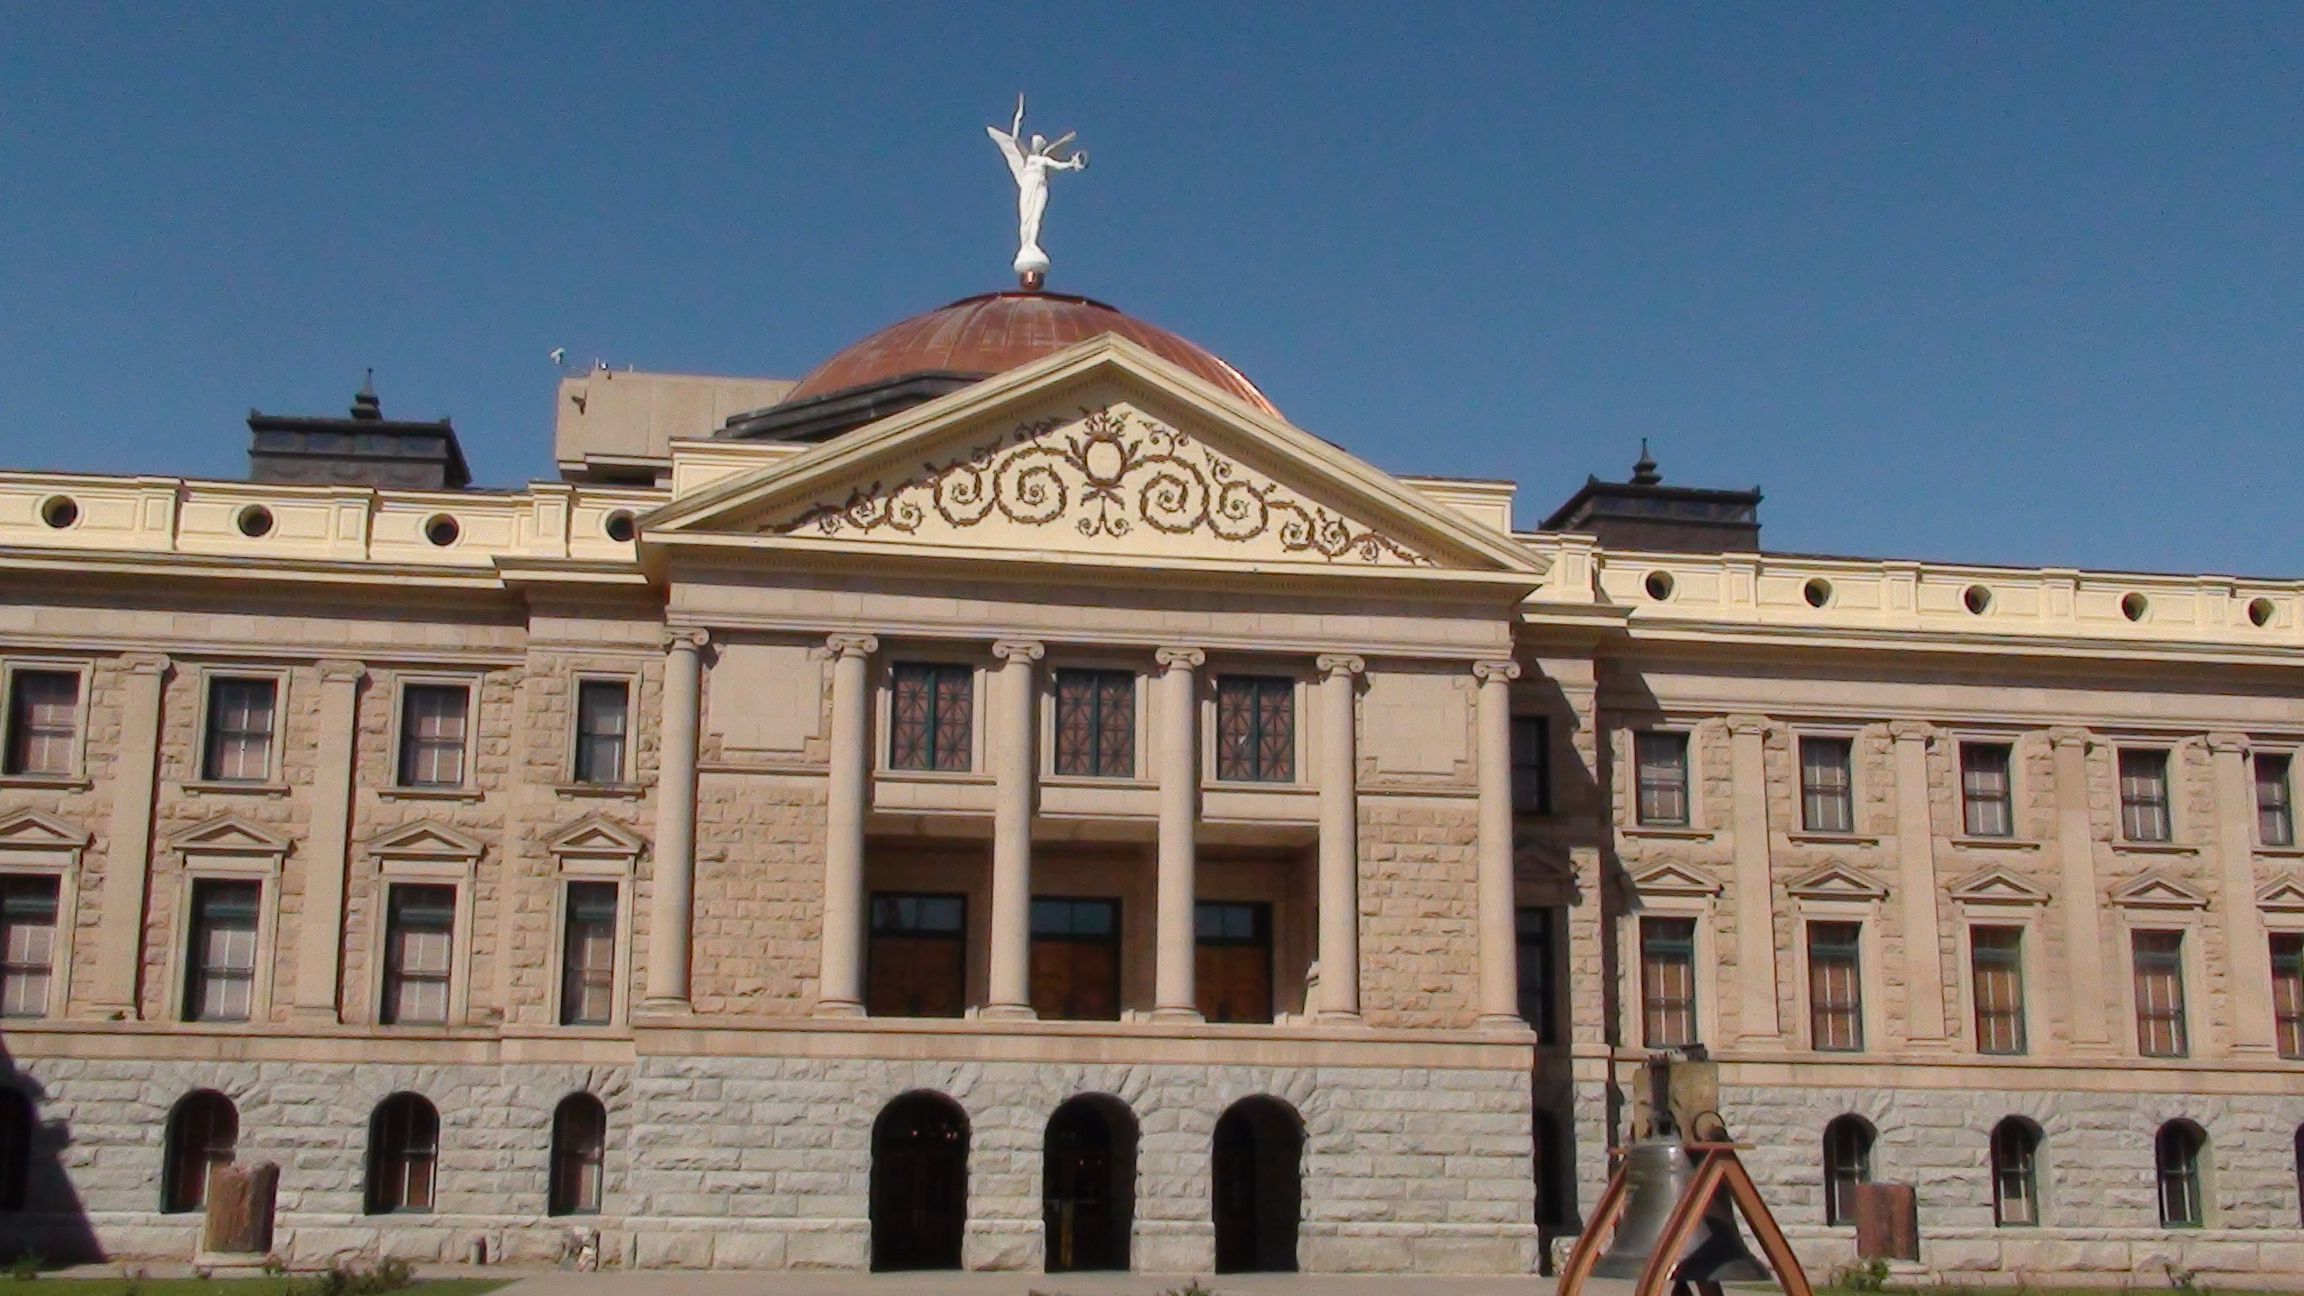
{"x": 41, "y": 1214}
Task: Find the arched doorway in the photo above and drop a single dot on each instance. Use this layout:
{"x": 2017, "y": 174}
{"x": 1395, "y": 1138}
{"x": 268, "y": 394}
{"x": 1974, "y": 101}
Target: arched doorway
{"x": 1259, "y": 1187}
{"x": 201, "y": 1134}
{"x": 1088, "y": 1188}
{"x": 919, "y": 1183}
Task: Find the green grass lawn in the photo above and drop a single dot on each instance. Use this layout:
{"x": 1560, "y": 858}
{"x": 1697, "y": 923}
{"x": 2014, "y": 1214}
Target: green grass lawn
{"x": 220, "y": 1287}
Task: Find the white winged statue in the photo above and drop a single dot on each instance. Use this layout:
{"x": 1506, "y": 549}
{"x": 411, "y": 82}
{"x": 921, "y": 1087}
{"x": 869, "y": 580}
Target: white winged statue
{"x": 1030, "y": 164}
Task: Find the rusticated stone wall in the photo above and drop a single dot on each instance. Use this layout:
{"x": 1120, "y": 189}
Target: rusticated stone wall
{"x": 1419, "y": 911}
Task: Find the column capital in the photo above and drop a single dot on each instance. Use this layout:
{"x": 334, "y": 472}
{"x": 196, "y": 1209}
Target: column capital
{"x": 1911, "y": 730}
{"x": 2226, "y": 744}
{"x": 141, "y": 663}
{"x": 1187, "y": 658}
{"x": 1744, "y": 723}
{"x": 1019, "y": 650}
{"x": 851, "y": 645}
{"x": 1334, "y": 665}
{"x": 339, "y": 671}
{"x": 2071, "y": 736}
{"x": 685, "y": 638}
{"x": 1496, "y": 672}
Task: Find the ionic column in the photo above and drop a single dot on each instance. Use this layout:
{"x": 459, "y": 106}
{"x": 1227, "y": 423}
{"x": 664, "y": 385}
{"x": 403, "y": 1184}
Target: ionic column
{"x": 672, "y": 907}
{"x": 1012, "y": 725}
{"x": 840, "y": 976}
{"x": 2076, "y": 892}
{"x": 2245, "y": 950}
{"x": 1755, "y": 896}
{"x": 1916, "y": 857}
{"x": 1339, "y": 840}
{"x": 1499, "y": 934}
{"x": 320, "y": 938}
{"x": 1174, "y": 995}
{"x": 134, "y": 777}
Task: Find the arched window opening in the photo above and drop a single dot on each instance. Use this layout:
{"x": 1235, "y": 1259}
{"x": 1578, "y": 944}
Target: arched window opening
{"x": 202, "y": 1133}
{"x": 1847, "y": 1163}
{"x": 2015, "y": 1173}
{"x": 1088, "y": 1184}
{"x": 1258, "y": 1193}
{"x": 403, "y": 1155}
{"x": 919, "y": 1188}
{"x": 2177, "y": 1155}
{"x": 579, "y": 1155}
{"x": 17, "y": 1126}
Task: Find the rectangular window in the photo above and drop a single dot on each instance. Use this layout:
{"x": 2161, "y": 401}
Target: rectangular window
{"x": 930, "y": 720}
{"x": 1836, "y": 987}
{"x": 1256, "y": 728}
{"x": 419, "y": 953}
{"x": 43, "y": 722}
{"x": 2275, "y": 814}
{"x": 588, "y": 955}
{"x": 1532, "y": 764}
{"x": 916, "y": 964}
{"x": 1537, "y": 932}
{"x": 1987, "y": 797}
{"x": 1232, "y": 961}
{"x": 2288, "y": 992}
{"x": 1668, "y": 982}
{"x": 1075, "y": 959}
{"x": 432, "y": 724}
{"x": 1827, "y": 787}
{"x": 2144, "y": 796}
{"x": 27, "y": 944}
{"x": 603, "y": 722}
{"x": 220, "y": 981}
{"x": 1663, "y": 771}
{"x": 2160, "y": 993}
{"x": 238, "y": 745}
{"x": 1996, "y": 971}
{"x": 1096, "y": 723}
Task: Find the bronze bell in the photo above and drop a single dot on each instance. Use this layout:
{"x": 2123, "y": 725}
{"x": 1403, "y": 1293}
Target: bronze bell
{"x": 1657, "y": 1170}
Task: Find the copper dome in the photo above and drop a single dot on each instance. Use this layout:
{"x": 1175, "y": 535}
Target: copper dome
{"x": 999, "y": 331}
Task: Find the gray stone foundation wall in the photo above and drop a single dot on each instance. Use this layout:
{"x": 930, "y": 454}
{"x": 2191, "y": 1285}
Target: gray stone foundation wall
{"x": 2099, "y": 1212}
{"x": 766, "y": 1162}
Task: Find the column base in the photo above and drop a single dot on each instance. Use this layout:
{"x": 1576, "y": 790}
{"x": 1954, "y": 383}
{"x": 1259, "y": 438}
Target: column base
{"x": 1007, "y": 1012}
{"x": 669, "y": 1004}
{"x": 1177, "y": 1015}
{"x": 1337, "y": 1017}
{"x": 316, "y": 1015}
{"x": 846, "y": 1008}
{"x": 1502, "y": 1024}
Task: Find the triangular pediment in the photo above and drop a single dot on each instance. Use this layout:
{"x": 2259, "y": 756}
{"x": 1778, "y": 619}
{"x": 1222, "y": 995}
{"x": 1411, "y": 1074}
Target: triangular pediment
{"x": 2158, "y": 891}
{"x": 1101, "y": 453}
{"x": 2281, "y": 895}
{"x": 1999, "y": 886}
{"x": 229, "y": 835}
{"x": 1675, "y": 880}
{"x": 596, "y": 836}
{"x": 424, "y": 840}
{"x": 1837, "y": 882}
{"x": 32, "y": 830}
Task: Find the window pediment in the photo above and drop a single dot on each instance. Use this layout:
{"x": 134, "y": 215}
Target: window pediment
{"x": 596, "y": 837}
{"x": 229, "y": 835}
{"x": 1998, "y": 887}
{"x": 424, "y": 840}
{"x": 2282, "y": 895}
{"x": 1675, "y": 879}
{"x": 30, "y": 830}
{"x": 2157, "y": 890}
{"x": 1837, "y": 882}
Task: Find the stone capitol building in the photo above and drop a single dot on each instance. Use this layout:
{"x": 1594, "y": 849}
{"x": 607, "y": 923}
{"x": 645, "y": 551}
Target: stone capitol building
{"x": 1013, "y": 800}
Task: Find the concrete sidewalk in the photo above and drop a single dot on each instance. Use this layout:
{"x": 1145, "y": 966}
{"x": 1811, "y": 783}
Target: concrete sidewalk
{"x": 673, "y": 1282}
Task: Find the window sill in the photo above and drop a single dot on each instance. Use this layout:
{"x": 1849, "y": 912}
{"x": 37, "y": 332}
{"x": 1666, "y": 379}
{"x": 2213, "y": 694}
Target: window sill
{"x": 2153, "y": 848}
{"x": 603, "y": 791}
{"x": 1997, "y": 843}
{"x": 1257, "y": 785}
{"x": 429, "y": 793}
{"x": 1831, "y": 839}
{"x": 2281, "y": 852}
{"x": 968, "y": 776}
{"x": 1662, "y": 832}
{"x": 1114, "y": 782}
{"x": 61, "y": 782}
{"x": 233, "y": 787}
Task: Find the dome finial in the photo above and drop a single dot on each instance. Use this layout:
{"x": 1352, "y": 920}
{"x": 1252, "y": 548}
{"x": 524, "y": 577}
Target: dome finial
{"x": 1030, "y": 161}
{"x": 1644, "y": 472}
{"x": 365, "y": 404}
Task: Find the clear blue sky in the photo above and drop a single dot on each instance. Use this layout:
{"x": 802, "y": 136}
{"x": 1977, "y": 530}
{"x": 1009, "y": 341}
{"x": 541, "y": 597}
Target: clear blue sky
{"x": 2002, "y": 282}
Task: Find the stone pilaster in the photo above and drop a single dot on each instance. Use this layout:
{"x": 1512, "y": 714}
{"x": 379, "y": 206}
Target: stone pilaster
{"x": 1499, "y": 937}
{"x": 1916, "y": 872}
{"x": 672, "y": 907}
{"x": 135, "y": 776}
{"x": 1012, "y": 725}
{"x": 840, "y": 978}
{"x": 1339, "y": 839}
{"x": 2245, "y": 949}
{"x": 1175, "y": 997}
{"x": 1756, "y": 970}
{"x": 2078, "y": 894}
{"x": 320, "y": 938}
